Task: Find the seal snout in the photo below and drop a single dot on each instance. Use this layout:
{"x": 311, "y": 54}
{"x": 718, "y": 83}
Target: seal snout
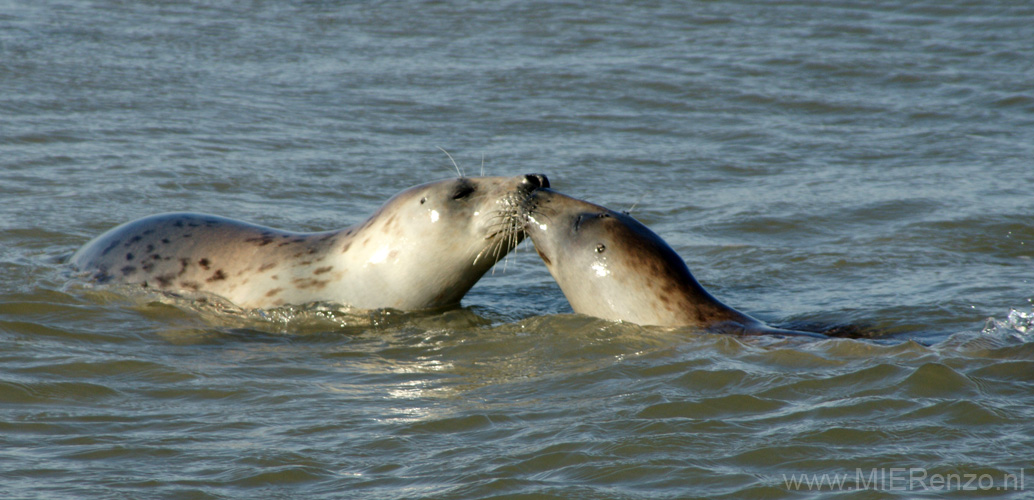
{"x": 532, "y": 182}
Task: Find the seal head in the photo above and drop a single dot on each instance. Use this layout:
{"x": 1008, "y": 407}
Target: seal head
{"x": 611, "y": 266}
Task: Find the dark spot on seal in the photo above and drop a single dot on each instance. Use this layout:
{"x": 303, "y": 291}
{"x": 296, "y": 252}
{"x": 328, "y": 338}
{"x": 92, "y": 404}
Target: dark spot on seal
{"x": 184, "y": 264}
{"x": 165, "y": 241}
{"x": 267, "y": 266}
{"x": 219, "y": 275}
{"x": 133, "y": 240}
{"x": 204, "y": 263}
{"x": 127, "y": 270}
{"x": 129, "y": 256}
{"x": 327, "y": 237}
{"x": 147, "y": 267}
{"x": 274, "y": 292}
{"x": 346, "y": 247}
{"x": 274, "y": 277}
{"x": 298, "y": 240}
{"x": 164, "y": 280}
{"x": 261, "y": 241}
{"x": 323, "y": 270}
{"x": 193, "y": 224}
{"x": 178, "y": 223}
{"x": 111, "y": 247}
{"x": 544, "y": 258}
{"x": 149, "y": 232}
{"x": 150, "y": 248}
{"x": 190, "y": 285}
{"x": 188, "y": 235}
{"x": 303, "y": 283}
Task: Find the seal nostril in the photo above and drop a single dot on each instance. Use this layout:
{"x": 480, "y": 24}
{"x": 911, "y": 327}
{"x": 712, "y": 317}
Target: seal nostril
{"x": 535, "y": 181}
{"x": 543, "y": 180}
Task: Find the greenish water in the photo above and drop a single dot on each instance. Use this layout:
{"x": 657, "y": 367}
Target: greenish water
{"x": 814, "y": 163}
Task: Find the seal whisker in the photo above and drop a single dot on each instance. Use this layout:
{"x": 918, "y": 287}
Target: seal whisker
{"x": 516, "y": 230}
{"x": 457, "y": 167}
{"x": 506, "y": 231}
{"x": 493, "y": 237}
{"x": 502, "y": 217}
{"x": 498, "y": 234}
{"x": 631, "y": 208}
{"x": 510, "y": 243}
{"x": 492, "y": 249}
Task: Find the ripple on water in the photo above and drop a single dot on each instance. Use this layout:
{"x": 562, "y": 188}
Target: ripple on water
{"x": 55, "y": 392}
{"x": 936, "y": 380}
{"x": 1005, "y": 371}
{"x": 724, "y": 407}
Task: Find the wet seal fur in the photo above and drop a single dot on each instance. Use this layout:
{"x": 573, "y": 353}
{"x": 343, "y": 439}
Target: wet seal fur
{"x": 611, "y": 266}
{"x": 423, "y": 249}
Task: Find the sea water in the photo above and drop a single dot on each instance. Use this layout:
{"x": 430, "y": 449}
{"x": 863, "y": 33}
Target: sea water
{"x": 815, "y": 163}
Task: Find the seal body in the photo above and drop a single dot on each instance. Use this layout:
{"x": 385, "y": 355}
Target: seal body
{"x": 611, "y": 266}
{"x": 424, "y": 248}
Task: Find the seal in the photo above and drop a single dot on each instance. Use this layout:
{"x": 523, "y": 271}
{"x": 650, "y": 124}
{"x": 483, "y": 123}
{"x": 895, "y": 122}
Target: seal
{"x": 423, "y": 249}
{"x": 611, "y": 266}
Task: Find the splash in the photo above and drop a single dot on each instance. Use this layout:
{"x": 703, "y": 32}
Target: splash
{"x": 1018, "y": 325}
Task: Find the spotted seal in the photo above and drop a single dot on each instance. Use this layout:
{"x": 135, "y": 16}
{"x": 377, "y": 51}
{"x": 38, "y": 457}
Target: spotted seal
{"x": 423, "y": 249}
{"x": 611, "y": 266}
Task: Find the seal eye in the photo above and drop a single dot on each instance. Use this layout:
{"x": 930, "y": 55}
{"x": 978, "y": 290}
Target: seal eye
{"x": 600, "y": 247}
{"x": 423, "y": 200}
{"x": 462, "y": 191}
